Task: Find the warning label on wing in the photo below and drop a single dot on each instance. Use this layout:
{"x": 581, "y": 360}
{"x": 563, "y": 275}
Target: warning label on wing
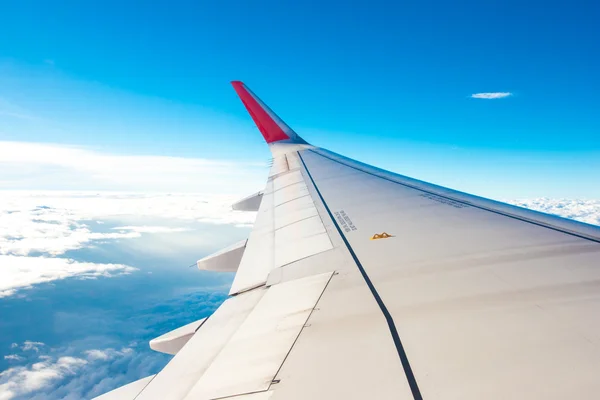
{"x": 444, "y": 200}
{"x": 344, "y": 221}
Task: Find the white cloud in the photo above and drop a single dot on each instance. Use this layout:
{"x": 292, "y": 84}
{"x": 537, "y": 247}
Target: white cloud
{"x": 106, "y": 354}
{"x": 51, "y": 166}
{"x": 578, "y": 209}
{"x": 22, "y": 272}
{"x": 72, "y": 374}
{"x": 28, "y": 345}
{"x": 97, "y": 354}
{"x": 18, "y": 381}
{"x": 150, "y": 229}
{"x": 54, "y": 222}
{"x": 13, "y": 357}
{"x": 491, "y": 95}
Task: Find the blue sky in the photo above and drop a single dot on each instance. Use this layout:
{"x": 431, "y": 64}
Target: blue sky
{"x": 386, "y": 83}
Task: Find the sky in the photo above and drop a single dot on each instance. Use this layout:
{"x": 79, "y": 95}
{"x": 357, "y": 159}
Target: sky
{"x": 123, "y": 146}
{"x": 387, "y": 83}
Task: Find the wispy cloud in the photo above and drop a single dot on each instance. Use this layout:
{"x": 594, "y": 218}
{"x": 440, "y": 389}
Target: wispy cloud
{"x": 23, "y": 272}
{"x": 150, "y": 229}
{"x": 13, "y": 357}
{"x": 51, "y": 166}
{"x": 106, "y": 354}
{"x": 9, "y": 109}
{"x": 29, "y": 345}
{"x": 491, "y": 95}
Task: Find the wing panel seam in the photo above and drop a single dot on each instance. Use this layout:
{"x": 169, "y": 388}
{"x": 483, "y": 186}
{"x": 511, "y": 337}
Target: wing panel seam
{"x": 301, "y": 329}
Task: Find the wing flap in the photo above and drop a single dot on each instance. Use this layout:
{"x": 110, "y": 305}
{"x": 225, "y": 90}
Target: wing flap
{"x": 254, "y": 396}
{"x": 173, "y": 341}
{"x": 250, "y": 203}
{"x": 225, "y": 260}
{"x": 178, "y": 377}
{"x": 254, "y": 354}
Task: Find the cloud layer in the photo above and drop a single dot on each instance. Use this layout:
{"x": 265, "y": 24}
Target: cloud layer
{"x": 491, "y": 95}
{"x": 108, "y": 357}
{"x": 63, "y": 376}
{"x": 36, "y": 228}
{"x": 55, "y": 222}
{"x": 587, "y": 211}
{"x": 23, "y": 380}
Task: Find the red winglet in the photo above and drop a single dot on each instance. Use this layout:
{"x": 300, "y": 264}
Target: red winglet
{"x": 270, "y": 125}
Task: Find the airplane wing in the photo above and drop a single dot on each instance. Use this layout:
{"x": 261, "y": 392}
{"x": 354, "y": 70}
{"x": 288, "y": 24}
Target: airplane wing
{"x": 358, "y": 283}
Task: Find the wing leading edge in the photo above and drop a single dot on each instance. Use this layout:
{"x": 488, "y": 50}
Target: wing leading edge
{"x": 463, "y": 297}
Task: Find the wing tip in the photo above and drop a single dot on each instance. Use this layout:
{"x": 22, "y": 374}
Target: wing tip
{"x": 271, "y": 126}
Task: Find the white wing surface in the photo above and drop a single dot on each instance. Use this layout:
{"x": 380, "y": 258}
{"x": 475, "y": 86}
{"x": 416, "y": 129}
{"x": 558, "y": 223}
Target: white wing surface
{"x": 358, "y": 283}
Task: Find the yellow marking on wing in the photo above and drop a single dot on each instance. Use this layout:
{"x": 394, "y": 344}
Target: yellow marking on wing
{"x": 383, "y": 235}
